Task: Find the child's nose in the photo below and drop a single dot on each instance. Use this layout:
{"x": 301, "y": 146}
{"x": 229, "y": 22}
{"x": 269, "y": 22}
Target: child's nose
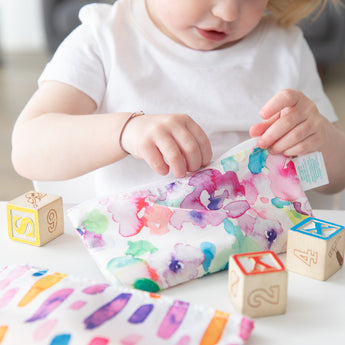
{"x": 227, "y": 10}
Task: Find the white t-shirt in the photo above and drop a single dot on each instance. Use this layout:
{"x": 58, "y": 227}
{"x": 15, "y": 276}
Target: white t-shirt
{"x": 124, "y": 63}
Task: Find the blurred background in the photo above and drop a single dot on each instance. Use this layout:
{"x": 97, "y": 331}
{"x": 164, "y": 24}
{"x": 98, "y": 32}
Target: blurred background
{"x": 30, "y": 31}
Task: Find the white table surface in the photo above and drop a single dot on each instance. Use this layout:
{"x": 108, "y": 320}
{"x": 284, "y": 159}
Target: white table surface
{"x": 315, "y": 311}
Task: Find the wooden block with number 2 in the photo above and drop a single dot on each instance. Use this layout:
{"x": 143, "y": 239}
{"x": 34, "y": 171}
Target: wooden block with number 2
{"x": 35, "y": 218}
{"x": 258, "y": 284}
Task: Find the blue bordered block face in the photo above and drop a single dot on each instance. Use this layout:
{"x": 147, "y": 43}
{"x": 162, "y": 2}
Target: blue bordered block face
{"x": 318, "y": 228}
{"x": 316, "y": 248}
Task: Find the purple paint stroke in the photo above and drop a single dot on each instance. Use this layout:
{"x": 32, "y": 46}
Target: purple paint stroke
{"x": 183, "y": 264}
{"x": 141, "y": 314}
{"x": 298, "y": 207}
{"x": 107, "y": 312}
{"x": 237, "y": 208}
{"x": 271, "y": 236}
{"x": 197, "y": 217}
{"x": 211, "y": 181}
{"x": 216, "y": 202}
{"x": 50, "y": 304}
{"x": 95, "y": 289}
{"x": 265, "y": 232}
{"x": 93, "y": 240}
{"x": 172, "y": 319}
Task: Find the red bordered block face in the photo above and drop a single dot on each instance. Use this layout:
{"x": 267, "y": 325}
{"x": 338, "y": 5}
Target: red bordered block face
{"x": 315, "y": 248}
{"x": 35, "y": 218}
{"x": 258, "y": 284}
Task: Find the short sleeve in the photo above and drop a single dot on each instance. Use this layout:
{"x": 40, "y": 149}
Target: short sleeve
{"x": 78, "y": 60}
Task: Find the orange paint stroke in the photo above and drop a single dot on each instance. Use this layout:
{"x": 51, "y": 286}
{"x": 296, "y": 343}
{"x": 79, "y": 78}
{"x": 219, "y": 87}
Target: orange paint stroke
{"x": 3, "y": 330}
{"x": 40, "y": 286}
{"x": 215, "y": 329}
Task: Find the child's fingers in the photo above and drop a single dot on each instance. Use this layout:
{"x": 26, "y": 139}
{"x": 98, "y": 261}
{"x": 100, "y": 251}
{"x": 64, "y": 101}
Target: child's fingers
{"x": 174, "y": 141}
{"x": 261, "y": 127}
{"x": 203, "y": 143}
{"x": 190, "y": 149}
{"x": 294, "y": 139}
{"x": 283, "y": 99}
{"x": 302, "y": 147}
{"x": 154, "y": 159}
{"x": 287, "y": 122}
{"x": 172, "y": 154}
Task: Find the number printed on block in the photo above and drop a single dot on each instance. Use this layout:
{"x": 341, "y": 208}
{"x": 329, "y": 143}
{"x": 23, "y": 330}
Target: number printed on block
{"x": 258, "y": 284}
{"x": 315, "y": 248}
{"x": 35, "y": 218}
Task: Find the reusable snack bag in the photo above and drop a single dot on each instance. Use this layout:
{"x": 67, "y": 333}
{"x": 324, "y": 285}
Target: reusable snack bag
{"x": 39, "y": 306}
{"x": 163, "y": 235}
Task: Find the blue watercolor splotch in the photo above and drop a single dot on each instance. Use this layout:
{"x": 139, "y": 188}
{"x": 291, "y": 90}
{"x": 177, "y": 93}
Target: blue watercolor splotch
{"x": 40, "y": 273}
{"x": 280, "y": 203}
{"x": 257, "y": 160}
{"x": 61, "y": 339}
{"x": 229, "y": 164}
{"x": 209, "y": 250}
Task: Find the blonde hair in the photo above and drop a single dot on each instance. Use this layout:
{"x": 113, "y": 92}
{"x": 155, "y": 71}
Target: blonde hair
{"x": 289, "y": 12}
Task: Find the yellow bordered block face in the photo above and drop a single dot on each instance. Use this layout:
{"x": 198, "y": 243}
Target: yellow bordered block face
{"x": 258, "y": 284}
{"x": 315, "y": 248}
{"x": 35, "y": 218}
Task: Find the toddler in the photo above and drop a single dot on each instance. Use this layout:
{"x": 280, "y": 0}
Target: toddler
{"x": 207, "y": 74}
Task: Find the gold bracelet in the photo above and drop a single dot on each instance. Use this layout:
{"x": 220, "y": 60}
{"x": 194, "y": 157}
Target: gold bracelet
{"x": 132, "y": 116}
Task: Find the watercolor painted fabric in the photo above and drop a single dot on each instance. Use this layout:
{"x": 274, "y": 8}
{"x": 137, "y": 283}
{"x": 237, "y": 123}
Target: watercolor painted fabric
{"x": 161, "y": 236}
{"x": 38, "y": 306}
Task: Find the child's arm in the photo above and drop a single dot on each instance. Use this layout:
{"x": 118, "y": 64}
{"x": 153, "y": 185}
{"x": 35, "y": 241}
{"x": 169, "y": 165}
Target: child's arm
{"x": 58, "y": 136}
{"x": 293, "y": 126}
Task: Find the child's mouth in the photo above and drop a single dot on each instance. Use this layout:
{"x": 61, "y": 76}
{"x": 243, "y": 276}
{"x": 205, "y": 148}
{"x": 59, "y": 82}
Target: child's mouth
{"x": 212, "y": 35}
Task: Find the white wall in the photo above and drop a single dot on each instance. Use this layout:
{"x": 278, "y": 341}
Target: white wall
{"x": 21, "y": 25}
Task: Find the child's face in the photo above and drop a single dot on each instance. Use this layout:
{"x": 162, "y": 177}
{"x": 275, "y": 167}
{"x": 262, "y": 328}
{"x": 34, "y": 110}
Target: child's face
{"x": 206, "y": 24}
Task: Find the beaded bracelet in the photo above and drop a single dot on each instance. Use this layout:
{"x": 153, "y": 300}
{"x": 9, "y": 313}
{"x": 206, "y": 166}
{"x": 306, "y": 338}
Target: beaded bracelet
{"x": 132, "y": 116}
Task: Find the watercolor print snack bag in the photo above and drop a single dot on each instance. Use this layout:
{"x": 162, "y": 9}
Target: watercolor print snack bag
{"x": 161, "y": 236}
{"x": 38, "y": 306}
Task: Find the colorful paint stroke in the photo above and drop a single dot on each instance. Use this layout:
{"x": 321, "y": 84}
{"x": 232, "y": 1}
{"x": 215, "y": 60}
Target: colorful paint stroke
{"x": 105, "y": 314}
{"x": 163, "y": 235}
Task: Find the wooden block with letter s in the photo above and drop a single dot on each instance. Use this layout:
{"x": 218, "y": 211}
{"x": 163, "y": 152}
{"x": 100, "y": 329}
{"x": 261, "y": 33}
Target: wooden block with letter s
{"x": 315, "y": 248}
{"x": 35, "y": 218}
{"x": 258, "y": 284}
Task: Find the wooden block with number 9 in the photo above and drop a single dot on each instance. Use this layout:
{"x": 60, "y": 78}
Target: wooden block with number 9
{"x": 258, "y": 284}
{"x": 35, "y": 218}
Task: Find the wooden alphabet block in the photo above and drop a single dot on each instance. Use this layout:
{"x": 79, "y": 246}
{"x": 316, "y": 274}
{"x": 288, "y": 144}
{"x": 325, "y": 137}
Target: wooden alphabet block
{"x": 258, "y": 284}
{"x": 315, "y": 248}
{"x": 35, "y": 218}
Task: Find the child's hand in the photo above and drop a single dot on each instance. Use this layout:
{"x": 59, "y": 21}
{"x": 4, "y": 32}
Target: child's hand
{"x": 168, "y": 140}
{"x": 293, "y": 125}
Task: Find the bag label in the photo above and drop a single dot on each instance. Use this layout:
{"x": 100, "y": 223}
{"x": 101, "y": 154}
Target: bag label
{"x": 311, "y": 170}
